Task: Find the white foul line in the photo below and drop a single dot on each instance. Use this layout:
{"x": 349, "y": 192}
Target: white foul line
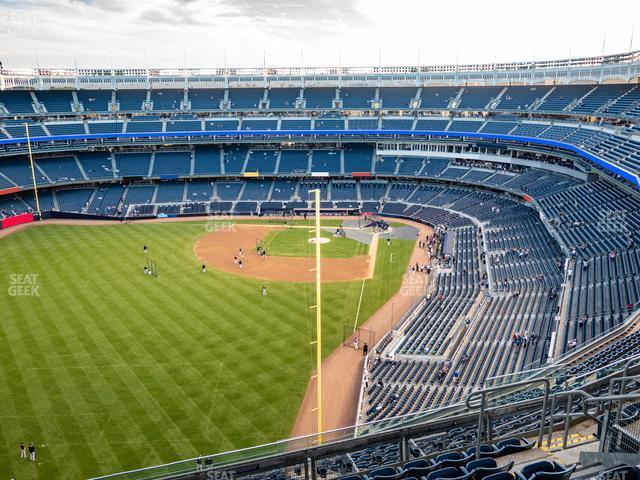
{"x": 359, "y": 303}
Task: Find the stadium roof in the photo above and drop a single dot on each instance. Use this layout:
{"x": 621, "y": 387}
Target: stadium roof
{"x": 623, "y": 67}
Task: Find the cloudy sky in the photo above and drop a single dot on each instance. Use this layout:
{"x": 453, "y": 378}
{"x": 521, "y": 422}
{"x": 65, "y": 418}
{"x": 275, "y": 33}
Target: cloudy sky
{"x": 206, "y": 33}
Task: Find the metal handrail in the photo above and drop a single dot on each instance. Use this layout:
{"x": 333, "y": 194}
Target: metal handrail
{"x": 483, "y": 394}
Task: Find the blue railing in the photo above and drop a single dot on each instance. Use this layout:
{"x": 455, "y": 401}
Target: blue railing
{"x": 338, "y": 134}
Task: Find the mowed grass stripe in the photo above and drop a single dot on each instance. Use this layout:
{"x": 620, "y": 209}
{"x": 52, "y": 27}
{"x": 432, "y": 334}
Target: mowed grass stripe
{"x": 52, "y": 387}
{"x": 73, "y": 397}
{"x": 27, "y": 389}
{"x": 97, "y": 446}
{"x": 183, "y": 364}
{"x": 152, "y": 411}
{"x": 123, "y": 364}
{"x": 144, "y": 312}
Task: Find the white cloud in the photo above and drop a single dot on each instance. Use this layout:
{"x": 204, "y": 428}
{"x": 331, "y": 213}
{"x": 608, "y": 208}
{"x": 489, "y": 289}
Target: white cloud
{"x": 120, "y": 31}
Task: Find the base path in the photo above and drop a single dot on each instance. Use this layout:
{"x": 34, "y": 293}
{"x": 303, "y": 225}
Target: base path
{"x": 342, "y": 370}
{"x": 217, "y": 249}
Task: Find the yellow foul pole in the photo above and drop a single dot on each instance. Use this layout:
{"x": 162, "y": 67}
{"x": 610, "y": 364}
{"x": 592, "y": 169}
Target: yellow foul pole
{"x": 33, "y": 172}
{"x": 318, "y": 315}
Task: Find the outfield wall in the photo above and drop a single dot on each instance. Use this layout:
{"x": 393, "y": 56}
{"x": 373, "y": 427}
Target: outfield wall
{"x": 16, "y": 220}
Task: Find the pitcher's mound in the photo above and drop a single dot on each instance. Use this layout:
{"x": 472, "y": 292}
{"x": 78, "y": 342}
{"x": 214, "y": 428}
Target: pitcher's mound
{"x": 217, "y": 250}
{"x": 322, "y": 240}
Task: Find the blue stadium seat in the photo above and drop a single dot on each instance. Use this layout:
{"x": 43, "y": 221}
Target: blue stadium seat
{"x": 319, "y": 98}
{"x": 205, "y": 98}
{"x": 95, "y": 100}
{"x": 131, "y": 100}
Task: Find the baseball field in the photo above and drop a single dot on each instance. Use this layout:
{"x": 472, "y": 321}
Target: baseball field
{"x": 106, "y": 369}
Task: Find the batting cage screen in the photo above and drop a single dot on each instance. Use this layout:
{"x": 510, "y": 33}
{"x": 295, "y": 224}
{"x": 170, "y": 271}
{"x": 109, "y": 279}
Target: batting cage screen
{"x": 151, "y": 266}
{"x": 280, "y": 216}
{"x": 373, "y": 222}
{"x": 362, "y": 334}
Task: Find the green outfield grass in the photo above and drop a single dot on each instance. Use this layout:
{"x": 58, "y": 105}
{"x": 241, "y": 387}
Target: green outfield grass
{"x": 108, "y": 370}
{"x": 294, "y": 242}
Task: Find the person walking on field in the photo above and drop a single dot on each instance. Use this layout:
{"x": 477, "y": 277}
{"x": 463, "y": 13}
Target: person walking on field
{"x": 264, "y": 290}
{"x": 32, "y": 452}
{"x": 23, "y": 451}
{"x": 365, "y": 350}
{"x": 355, "y": 343}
